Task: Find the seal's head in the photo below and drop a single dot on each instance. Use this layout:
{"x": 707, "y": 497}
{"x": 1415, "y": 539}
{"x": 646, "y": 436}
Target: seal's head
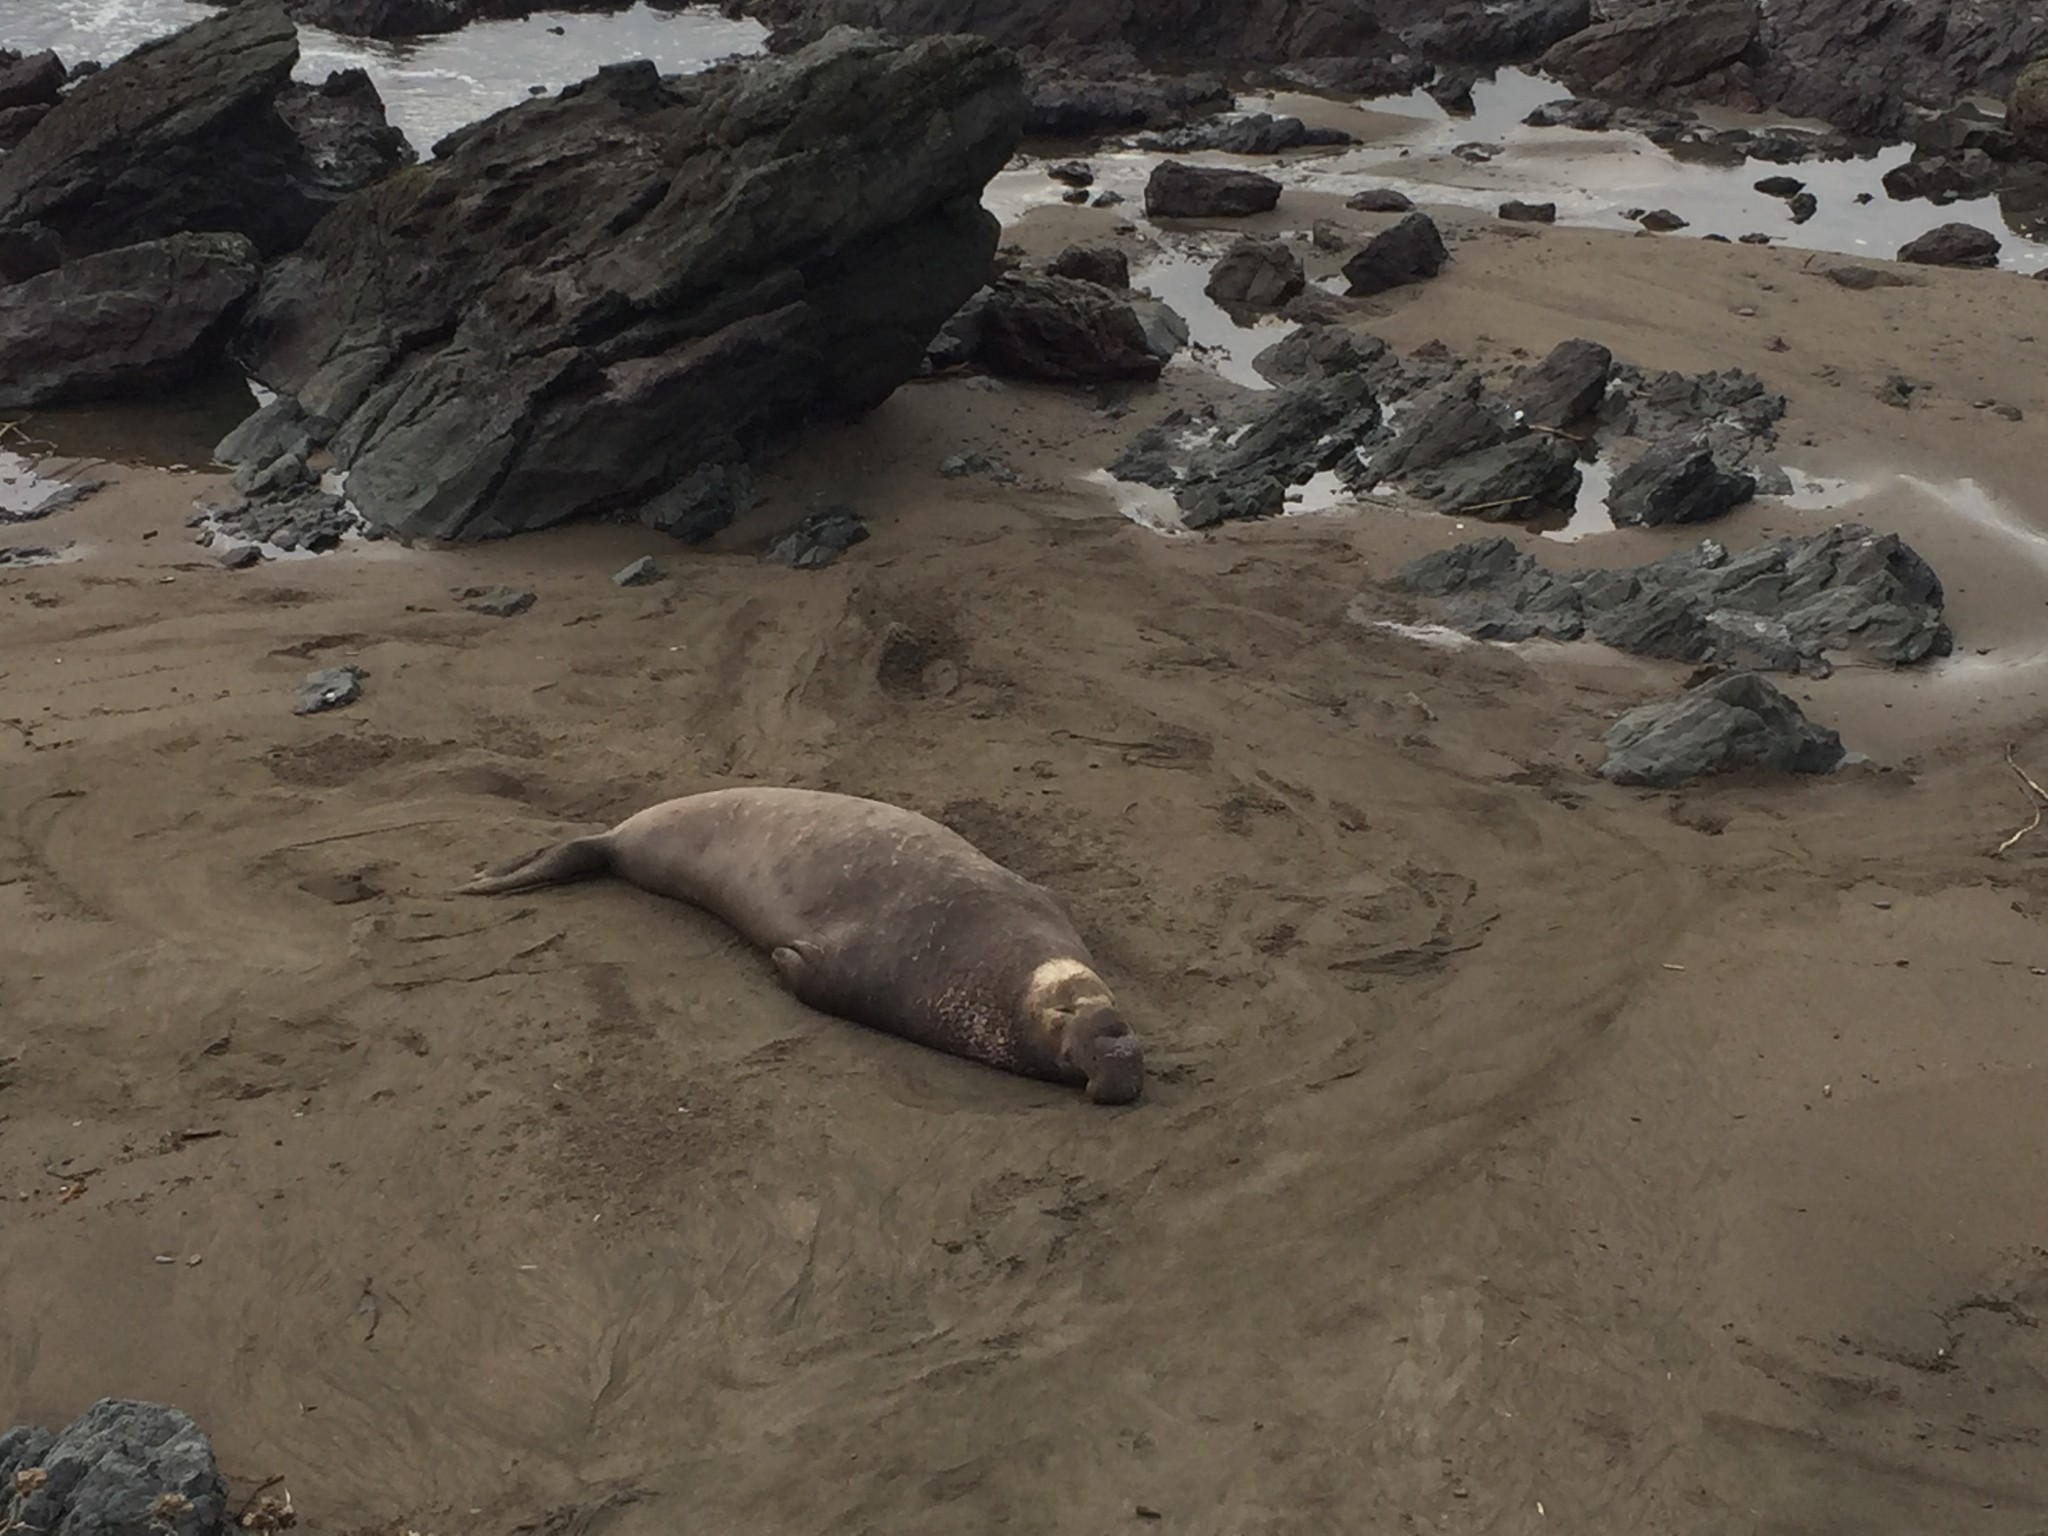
{"x": 1094, "y": 1045}
{"x": 1100, "y": 1049}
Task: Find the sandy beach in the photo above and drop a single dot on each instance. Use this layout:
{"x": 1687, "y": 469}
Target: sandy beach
{"x": 1522, "y": 1153}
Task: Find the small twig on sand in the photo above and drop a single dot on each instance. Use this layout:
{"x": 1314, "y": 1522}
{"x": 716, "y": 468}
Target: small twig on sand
{"x": 2035, "y": 792}
{"x": 1490, "y": 506}
{"x": 1554, "y": 432}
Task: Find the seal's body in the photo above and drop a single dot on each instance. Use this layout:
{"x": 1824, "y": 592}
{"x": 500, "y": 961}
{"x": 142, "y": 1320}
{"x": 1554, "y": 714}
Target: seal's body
{"x": 878, "y": 915}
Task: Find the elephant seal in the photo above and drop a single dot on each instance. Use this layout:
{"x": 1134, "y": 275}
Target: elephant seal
{"x": 876, "y": 914}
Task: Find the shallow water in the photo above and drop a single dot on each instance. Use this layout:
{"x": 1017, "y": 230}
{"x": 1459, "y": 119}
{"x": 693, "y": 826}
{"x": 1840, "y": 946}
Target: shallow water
{"x": 1595, "y": 177}
{"x": 1177, "y": 276}
{"x": 433, "y": 85}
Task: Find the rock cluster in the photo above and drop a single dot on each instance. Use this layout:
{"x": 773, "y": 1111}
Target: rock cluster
{"x": 135, "y": 212}
{"x": 1784, "y": 606}
{"x": 608, "y": 301}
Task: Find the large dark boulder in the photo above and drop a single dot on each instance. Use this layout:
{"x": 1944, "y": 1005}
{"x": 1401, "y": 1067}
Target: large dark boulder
{"x": 120, "y": 1469}
{"x": 1739, "y": 720}
{"x": 1064, "y": 330}
{"x": 585, "y": 300}
{"x": 1176, "y": 190}
{"x": 195, "y": 132}
{"x": 123, "y": 322}
{"x": 1953, "y": 245}
{"x": 1412, "y": 251}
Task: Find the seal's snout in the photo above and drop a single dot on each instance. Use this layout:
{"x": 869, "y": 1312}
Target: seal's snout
{"x": 1109, "y": 1056}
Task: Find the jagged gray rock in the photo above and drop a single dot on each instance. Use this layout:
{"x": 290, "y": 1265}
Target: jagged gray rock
{"x": 586, "y": 300}
{"x": 200, "y": 131}
{"x": 123, "y": 322}
{"x": 1782, "y": 606}
{"x": 1226, "y": 467}
{"x": 1677, "y": 480}
{"x": 121, "y": 1468}
{"x": 1739, "y": 720}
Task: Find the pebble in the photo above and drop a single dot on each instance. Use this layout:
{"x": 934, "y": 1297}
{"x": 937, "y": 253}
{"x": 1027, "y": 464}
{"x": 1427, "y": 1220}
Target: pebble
{"x": 330, "y": 688}
{"x": 241, "y": 557}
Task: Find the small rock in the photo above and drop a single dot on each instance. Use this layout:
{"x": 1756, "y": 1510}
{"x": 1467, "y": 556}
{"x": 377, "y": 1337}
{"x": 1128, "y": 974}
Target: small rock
{"x": 639, "y": 574}
{"x": 1753, "y": 239}
{"x": 1075, "y": 173}
{"x": 1101, "y": 264}
{"x": 1804, "y": 207}
{"x": 1410, "y": 252}
{"x": 1953, "y": 245}
{"x": 818, "y": 540}
{"x": 1075, "y": 196}
{"x": 330, "y": 688}
{"x": 499, "y": 602}
{"x": 1734, "y": 721}
{"x": 1529, "y": 213}
{"x": 1661, "y": 221}
{"x": 1106, "y": 199}
{"x": 1863, "y": 278}
{"x": 1898, "y": 390}
{"x": 2009, "y": 412}
{"x": 1781, "y": 186}
{"x": 1476, "y": 154}
{"x": 1380, "y": 200}
{"x": 1329, "y": 237}
{"x": 241, "y": 556}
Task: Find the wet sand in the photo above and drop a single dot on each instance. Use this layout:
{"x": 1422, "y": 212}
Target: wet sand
{"x": 1523, "y": 1153}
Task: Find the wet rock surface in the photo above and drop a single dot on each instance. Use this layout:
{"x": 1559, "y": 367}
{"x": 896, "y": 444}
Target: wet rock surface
{"x": 202, "y": 131}
{"x": 124, "y": 322}
{"x": 121, "y": 1468}
{"x": 1222, "y": 466}
{"x": 1101, "y": 264}
{"x": 1176, "y": 190}
{"x": 585, "y": 301}
{"x": 1783, "y": 606}
{"x": 1739, "y": 720}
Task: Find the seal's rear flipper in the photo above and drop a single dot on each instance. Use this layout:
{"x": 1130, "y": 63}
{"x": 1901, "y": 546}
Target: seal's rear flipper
{"x": 556, "y": 865}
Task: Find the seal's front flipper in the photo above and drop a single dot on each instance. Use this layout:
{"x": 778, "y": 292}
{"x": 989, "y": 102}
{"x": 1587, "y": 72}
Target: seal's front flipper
{"x": 801, "y": 964}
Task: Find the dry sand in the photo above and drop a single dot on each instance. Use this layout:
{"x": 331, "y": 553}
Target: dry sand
{"x": 1523, "y": 1153}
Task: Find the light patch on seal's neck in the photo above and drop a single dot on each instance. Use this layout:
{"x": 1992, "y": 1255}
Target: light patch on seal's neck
{"x": 1062, "y": 984}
